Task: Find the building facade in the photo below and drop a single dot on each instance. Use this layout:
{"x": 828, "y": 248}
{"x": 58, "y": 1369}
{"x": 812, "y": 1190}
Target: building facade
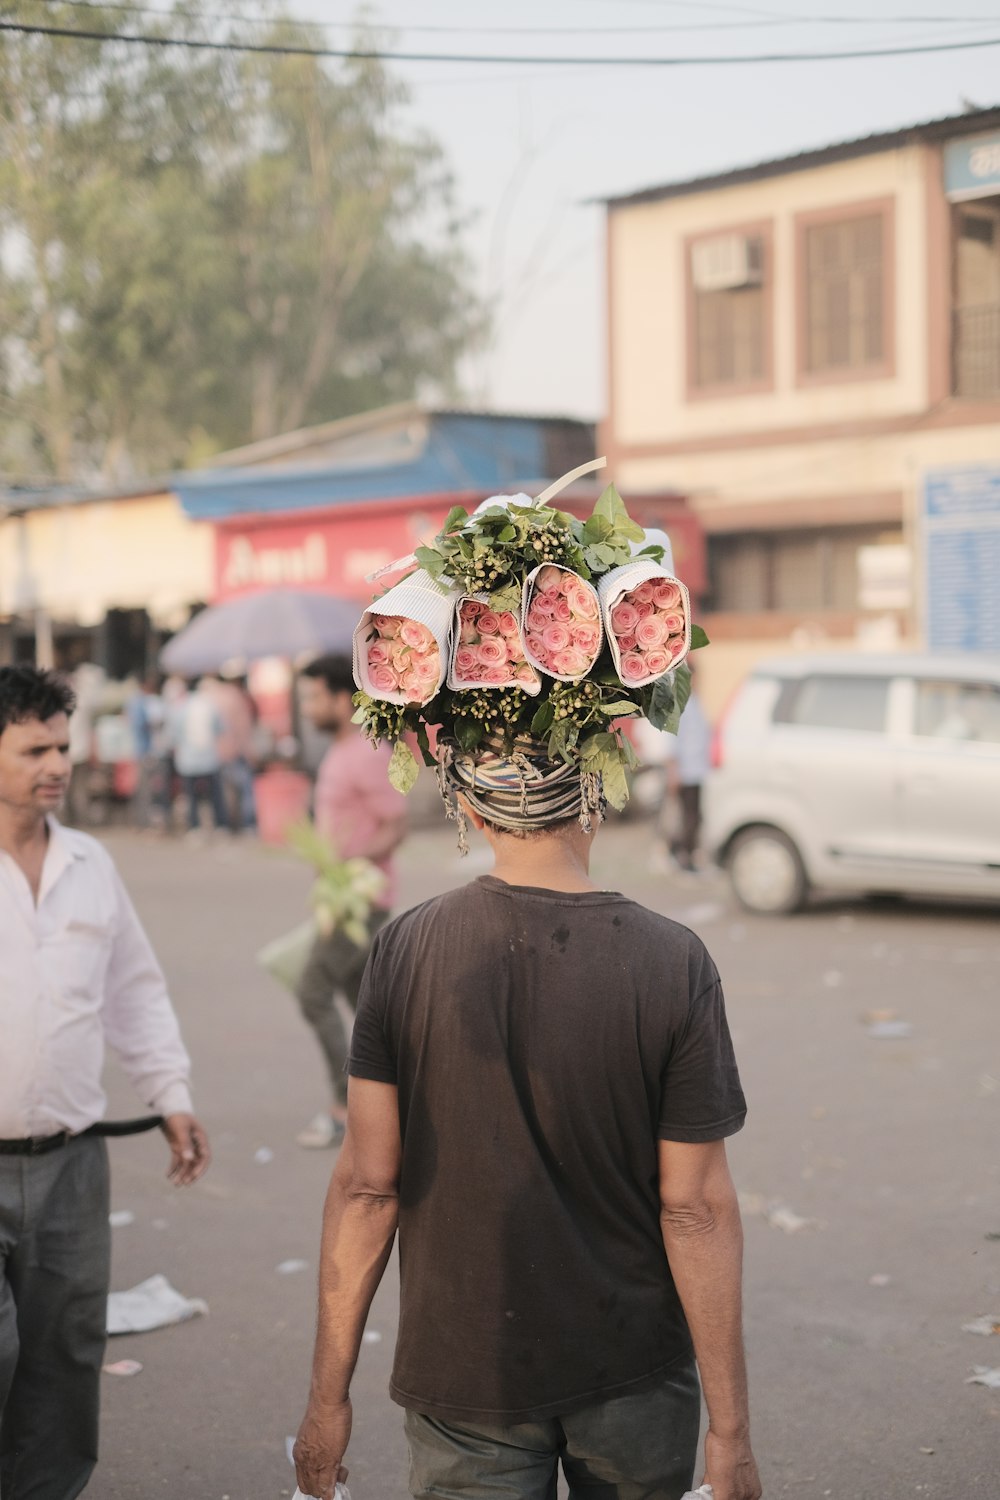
{"x": 799, "y": 347}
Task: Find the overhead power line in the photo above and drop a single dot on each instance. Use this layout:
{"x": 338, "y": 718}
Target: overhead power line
{"x": 366, "y": 54}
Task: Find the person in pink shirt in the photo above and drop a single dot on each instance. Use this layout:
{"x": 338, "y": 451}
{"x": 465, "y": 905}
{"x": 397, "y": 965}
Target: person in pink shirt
{"x": 358, "y": 812}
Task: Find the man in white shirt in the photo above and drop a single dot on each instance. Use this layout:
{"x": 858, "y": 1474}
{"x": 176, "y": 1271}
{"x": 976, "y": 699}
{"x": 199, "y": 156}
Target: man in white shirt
{"x": 76, "y": 972}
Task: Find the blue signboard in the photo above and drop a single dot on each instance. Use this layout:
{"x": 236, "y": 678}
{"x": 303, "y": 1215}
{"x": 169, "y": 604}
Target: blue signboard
{"x": 961, "y": 547}
{"x": 972, "y": 166}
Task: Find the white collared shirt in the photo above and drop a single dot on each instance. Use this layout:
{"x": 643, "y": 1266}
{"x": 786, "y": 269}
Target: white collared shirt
{"x": 76, "y": 972}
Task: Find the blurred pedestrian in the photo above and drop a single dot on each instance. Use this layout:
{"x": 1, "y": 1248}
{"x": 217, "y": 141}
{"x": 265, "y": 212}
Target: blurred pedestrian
{"x": 358, "y": 812}
{"x": 688, "y": 763}
{"x": 76, "y": 974}
{"x": 147, "y": 716}
{"x": 238, "y": 716}
{"x": 196, "y": 730}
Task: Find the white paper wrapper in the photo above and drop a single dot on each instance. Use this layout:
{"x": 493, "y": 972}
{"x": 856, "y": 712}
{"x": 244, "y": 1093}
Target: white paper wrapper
{"x": 416, "y": 598}
{"x": 621, "y": 581}
{"x": 526, "y": 596}
{"x": 655, "y": 537}
{"x": 460, "y": 684}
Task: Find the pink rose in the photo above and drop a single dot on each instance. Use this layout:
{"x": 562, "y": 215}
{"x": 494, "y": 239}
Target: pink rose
{"x": 515, "y": 651}
{"x": 427, "y": 669}
{"x": 386, "y": 625}
{"x": 556, "y": 637}
{"x": 497, "y": 675}
{"x": 548, "y": 578}
{"x": 412, "y": 633}
{"x": 633, "y": 668}
{"x": 378, "y": 654}
{"x": 666, "y": 595}
{"x": 544, "y": 604}
{"x": 644, "y": 608}
{"x": 536, "y": 646}
{"x": 492, "y": 651}
{"x": 624, "y": 618}
{"x": 657, "y": 662}
{"x": 673, "y": 622}
{"x": 400, "y": 656}
{"x": 582, "y": 602}
{"x": 466, "y": 661}
{"x": 626, "y": 642}
{"x": 586, "y": 638}
{"x": 472, "y": 609}
{"x": 525, "y": 672}
{"x": 536, "y": 620}
{"x": 643, "y": 594}
{"x": 489, "y": 624}
{"x": 411, "y": 685}
{"x": 383, "y": 679}
{"x": 564, "y": 612}
{"x": 506, "y": 623}
{"x": 567, "y": 581}
{"x": 650, "y": 632}
{"x": 570, "y": 663}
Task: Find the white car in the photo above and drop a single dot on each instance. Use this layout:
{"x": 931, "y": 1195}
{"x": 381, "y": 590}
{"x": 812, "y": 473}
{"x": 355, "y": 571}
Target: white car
{"x": 859, "y": 772}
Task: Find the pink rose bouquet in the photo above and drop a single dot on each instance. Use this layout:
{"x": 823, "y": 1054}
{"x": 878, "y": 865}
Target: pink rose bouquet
{"x": 562, "y": 623}
{"x": 488, "y": 651}
{"x": 649, "y": 628}
{"x": 403, "y": 658}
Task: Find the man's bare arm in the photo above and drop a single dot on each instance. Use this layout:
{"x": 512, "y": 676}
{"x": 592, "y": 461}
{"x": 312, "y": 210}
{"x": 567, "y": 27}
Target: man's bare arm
{"x": 703, "y": 1238}
{"x": 359, "y": 1225}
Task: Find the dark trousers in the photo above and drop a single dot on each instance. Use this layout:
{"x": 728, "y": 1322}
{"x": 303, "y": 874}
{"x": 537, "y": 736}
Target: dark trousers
{"x": 55, "y": 1266}
{"x": 335, "y": 966}
{"x": 685, "y": 841}
{"x": 640, "y": 1447}
{"x": 210, "y": 782}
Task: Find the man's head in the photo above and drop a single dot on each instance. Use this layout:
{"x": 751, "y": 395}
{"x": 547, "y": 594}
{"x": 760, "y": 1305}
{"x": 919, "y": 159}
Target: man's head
{"x": 34, "y": 740}
{"x": 518, "y": 793}
{"x": 326, "y": 692}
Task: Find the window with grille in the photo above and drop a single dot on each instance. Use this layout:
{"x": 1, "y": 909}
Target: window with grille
{"x": 845, "y": 294}
{"x": 729, "y": 336}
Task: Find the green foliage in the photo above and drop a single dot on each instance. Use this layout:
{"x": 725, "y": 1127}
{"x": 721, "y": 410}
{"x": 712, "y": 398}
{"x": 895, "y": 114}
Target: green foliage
{"x": 698, "y": 638}
{"x": 403, "y": 768}
{"x": 212, "y": 247}
{"x": 345, "y": 889}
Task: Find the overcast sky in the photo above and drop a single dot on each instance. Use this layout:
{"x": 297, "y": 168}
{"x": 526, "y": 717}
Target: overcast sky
{"x": 529, "y": 144}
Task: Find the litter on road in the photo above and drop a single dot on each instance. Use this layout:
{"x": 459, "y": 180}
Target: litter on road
{"x": 263, "y": 1155}
{"x": 890, "y": 1031}
{"x": 985, "y": 1325}
{"x": 778, "y": 1215}
{"x": 371, "y": 1336}
{"x": 985, "y": 1376}
{"x": 122, "y": 1367}
{"x": 121, "y": 1217}
{"x": 154, "y": 1303}
{"x": 289, "y": 1267}
{"x": 879, "y": 1279}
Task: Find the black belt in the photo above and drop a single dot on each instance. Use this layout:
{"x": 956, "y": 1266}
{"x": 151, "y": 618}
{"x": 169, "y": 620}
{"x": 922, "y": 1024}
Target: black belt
{"x": 38, "y": 1145}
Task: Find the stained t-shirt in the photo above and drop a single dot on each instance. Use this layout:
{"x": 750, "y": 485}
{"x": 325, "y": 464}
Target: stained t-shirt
{"x": 541, "y": 1042}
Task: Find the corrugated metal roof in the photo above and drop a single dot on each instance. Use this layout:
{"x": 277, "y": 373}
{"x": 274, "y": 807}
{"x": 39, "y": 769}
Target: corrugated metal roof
{"x": 946, "y": 128}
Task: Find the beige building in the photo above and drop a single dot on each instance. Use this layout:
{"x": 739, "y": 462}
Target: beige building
{"x": 794, "y": 345}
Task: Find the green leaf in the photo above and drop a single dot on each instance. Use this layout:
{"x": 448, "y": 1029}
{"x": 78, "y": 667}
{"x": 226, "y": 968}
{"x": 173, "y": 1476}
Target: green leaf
{"x": 469, "y": 733}
{"x": 424, "y": 745}
{"x": 682, "y": 687}
{"x": 620, "y": 709}
{"x": 508, "y": 597}
{"x": 432, "y": 561}
{"x": 597, "y": 529}
{"x": 543, "y": 720}
{"x": 403, "y": 768}
{"x": 663, "y": 704}
{"x": 698, "y": 638}
{"x": 508, "y": 534}
{"x": 615, "y": 782}
{"x": 455, "y": 518}
{"x": 655, "y": 551}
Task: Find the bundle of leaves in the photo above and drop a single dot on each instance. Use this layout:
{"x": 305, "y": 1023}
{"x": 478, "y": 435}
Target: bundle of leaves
{"x": 345, "y": 890}
{"x": 492, "y": 552}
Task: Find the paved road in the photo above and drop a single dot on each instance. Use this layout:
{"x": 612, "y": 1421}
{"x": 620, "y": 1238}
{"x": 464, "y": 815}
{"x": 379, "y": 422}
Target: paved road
{"x": 888, "y": 1148}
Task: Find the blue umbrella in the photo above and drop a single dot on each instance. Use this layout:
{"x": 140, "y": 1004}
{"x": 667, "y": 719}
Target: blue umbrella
{"x": 278, "y": 622}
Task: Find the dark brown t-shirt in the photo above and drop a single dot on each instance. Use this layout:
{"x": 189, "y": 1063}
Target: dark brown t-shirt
{"x": 541, "y": 1042}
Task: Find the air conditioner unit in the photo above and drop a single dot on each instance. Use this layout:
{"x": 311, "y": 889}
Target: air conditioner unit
{"x": 726, "y": 262}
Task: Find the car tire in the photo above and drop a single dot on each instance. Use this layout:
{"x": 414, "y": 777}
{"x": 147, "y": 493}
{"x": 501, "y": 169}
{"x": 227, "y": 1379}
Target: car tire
{"x": 766, "y": 872}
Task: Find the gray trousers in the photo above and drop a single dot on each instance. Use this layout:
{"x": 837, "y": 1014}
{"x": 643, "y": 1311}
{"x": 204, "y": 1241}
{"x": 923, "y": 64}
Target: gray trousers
{"x": 640, "y": 1447}
{"x": 335, "y": 966}
{"x": 55, "y": 1266}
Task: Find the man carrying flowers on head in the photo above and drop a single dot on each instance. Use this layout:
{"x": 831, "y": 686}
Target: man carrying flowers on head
{"x": 542, "y": 1079}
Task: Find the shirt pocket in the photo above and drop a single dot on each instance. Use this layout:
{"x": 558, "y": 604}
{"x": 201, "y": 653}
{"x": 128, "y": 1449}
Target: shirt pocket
{"x": 82, "y": 952}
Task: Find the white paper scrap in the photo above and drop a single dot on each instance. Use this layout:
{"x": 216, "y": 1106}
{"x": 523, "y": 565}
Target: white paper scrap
{"x": 121, "y": 1217}
{"x": 987, "y": 1325}
{"x": 154, "y": 1303}
{"x": 341, "y": 1492}
{"x": 289, "y": 1267}
{"x": 985, "y": 1376}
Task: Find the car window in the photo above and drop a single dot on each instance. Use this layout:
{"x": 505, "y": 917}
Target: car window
{"x": 959, "y": 711}
{"x": 835, "y": 702}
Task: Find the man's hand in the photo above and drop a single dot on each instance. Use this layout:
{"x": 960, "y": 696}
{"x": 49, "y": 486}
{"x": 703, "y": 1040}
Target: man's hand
{"x": 190, "y": 1153}
{"x": 320, "y": 1448}
{"x": 730, "y": 1468}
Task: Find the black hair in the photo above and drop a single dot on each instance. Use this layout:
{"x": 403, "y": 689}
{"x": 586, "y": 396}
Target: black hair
{"x": 29, "y": 693}
{"x": 336, "y": 671}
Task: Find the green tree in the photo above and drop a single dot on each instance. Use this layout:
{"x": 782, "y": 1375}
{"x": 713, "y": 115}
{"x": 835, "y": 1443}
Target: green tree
{"x": 197, "y": 249}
